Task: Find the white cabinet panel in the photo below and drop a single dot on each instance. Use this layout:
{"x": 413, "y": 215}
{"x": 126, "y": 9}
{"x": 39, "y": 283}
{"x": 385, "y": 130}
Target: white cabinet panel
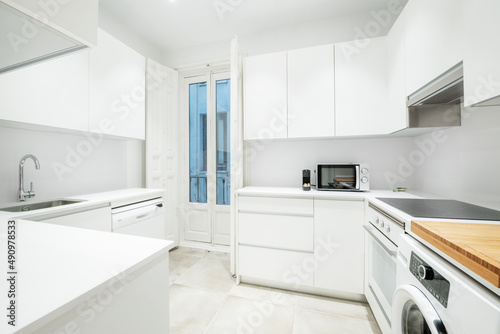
{"x": 288, "y": 206}
{"x": 396, "y": 115}
{"x": 276, "y": 265}
{"x": 276, "y": 231}
{"x": 311, "y": 92}
{"x": 265, "y": 96}
{"x": 95, "y": 219}
{"x": 339, "y": 245}
{"x": 117, "y": 89}
{"x": 53, "y": 93}
{"x": 361, "y": 88}
{"x": 433, "y": 40}
{"x": 482, "y": 52}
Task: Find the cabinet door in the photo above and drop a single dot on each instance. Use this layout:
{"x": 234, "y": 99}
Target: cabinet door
{"x": 482, "y": 53}
{"x": 433, "y": 40}
{"x": 339, "y": 245}
{"x": 280, "y": 266}
{"x": 311, "y": 92}
{"x": 361, "y": 88}
{"x": 96, "y": 219}
{"x": 117, "y": 89}
{"x": 53, "y": 93}
{"x": 265, "y": 96}
{"x": 396, "y": 117}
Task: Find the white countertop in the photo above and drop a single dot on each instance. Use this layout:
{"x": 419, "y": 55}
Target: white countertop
{"x": 60, "y": 267}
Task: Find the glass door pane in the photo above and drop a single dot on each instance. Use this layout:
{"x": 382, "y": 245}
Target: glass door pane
{"x": 223, "y": 168}
{"x": 198, "y": 142}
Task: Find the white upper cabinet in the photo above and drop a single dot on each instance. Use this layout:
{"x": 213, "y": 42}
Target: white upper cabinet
{"x": 265, "y": 96}
{"x": 433, "y": 40}
{"x": 311, "y": 106}
{"x": 76, "y": 18}
{"x": 482, "y": 53}
{"x": 34, "y": 30}
{"x": 117, "y": 89}
{"x": 396, "y": 115}
{"x": 361, "y": 88}
{"x": 52, "y": 93}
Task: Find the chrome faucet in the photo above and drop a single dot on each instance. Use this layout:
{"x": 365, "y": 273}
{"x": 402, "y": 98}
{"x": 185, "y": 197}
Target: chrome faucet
{"x": 22, "y": 195}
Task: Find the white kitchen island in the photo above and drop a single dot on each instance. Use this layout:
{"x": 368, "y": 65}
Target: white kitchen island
{"x": 72, "y": 280}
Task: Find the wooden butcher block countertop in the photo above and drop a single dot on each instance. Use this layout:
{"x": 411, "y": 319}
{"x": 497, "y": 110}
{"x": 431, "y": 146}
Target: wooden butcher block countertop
{"x": 476, "y": 246}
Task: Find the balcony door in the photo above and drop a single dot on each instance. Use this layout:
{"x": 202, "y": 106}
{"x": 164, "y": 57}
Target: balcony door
{"x": 207, "y": 159}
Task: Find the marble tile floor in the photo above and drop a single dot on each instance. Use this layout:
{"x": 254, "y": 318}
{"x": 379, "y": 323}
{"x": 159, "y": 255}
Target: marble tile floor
{"x": 204, "y": 299}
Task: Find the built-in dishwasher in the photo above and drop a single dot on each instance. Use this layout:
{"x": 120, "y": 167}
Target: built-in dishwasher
{"x": 144, "y": 219}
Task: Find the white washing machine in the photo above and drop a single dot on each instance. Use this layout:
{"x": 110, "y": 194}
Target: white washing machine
{"x": 433, "y": 296}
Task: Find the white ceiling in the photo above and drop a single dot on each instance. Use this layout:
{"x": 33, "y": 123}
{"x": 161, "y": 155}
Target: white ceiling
{"x": 173, "y": 25}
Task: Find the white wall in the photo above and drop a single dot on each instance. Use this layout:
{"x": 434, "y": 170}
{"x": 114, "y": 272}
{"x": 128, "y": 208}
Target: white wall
{"x": 280, "y": 164}
{"x": 287, "y": 38}
{"x": 128, "y": 36}
{"x": 466, "y": 164}
{"x": 104, "y": 168}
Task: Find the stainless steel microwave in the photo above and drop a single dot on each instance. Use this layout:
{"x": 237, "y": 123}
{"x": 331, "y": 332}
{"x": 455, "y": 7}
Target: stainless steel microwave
{"x": 343, "y": 177}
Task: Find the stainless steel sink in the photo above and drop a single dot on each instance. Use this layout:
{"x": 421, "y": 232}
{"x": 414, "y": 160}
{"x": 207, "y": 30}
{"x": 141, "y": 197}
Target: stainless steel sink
{"x": 37, "y": 206}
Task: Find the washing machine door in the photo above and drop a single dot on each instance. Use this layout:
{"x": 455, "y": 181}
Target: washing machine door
{"x": 413, "y": 313}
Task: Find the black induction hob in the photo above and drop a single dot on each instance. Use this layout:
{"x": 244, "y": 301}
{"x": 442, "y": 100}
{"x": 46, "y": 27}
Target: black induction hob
{"x": 441, "y": 208}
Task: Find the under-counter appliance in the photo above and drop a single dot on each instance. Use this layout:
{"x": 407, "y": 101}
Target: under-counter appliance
{"x": 343, "y": 176}
{"x": 382, "y": 235}
{"x": 435, "y": 297}
{"x": 441, "y": 208}
{"x": 144, "y": 219}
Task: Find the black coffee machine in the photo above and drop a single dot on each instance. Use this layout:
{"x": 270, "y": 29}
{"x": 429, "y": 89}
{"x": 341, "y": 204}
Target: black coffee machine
{"x": 306, "y": 179}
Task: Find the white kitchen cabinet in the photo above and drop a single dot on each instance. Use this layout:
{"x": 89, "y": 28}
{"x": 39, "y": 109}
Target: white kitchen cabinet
{"x": 117, "y": 89}
{"x": 339, "y": 245}
{"x": 76, "y": 18}
{"x": 52, "y": 93}
{"x": 274, "y": 236}
{"x": 276, "y": 265}
{"x": 396, "y": 115}
{"x": 433, "y": 39}
{"x": 265, "y": 96}
{"x": 361, "y": 98}
{"x": 94, "y": 219}
{"x": 311, "y": 85}
{"x": 482, "y": 53}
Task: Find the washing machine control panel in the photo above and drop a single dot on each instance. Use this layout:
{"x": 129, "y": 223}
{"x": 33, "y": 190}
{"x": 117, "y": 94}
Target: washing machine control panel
{"x": 430, "y": 279}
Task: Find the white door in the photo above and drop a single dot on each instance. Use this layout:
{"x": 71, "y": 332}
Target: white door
{"x": 162, "y": 140}
{"x": 206, "y": 163}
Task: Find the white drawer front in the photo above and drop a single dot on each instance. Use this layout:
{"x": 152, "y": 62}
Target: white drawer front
{"x": 289, "y": 206}
{"x": 276, "y": 265}
{"x": 276, "y": 231}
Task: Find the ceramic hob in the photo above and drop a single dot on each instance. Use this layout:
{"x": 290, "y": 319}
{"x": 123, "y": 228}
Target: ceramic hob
{"x": 441, "y": 208}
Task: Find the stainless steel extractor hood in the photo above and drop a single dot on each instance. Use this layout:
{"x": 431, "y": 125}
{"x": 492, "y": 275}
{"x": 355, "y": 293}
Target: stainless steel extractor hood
{"x": 438, "y": 104}
{"x": 25, "y": 40}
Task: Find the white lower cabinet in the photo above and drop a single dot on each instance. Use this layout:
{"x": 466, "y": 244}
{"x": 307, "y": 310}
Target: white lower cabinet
{"x": 339, "y": 245}
{"x": 277, "y": 265}
{"x": 302, "y": 243}
{"x": 94, "y": 219}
